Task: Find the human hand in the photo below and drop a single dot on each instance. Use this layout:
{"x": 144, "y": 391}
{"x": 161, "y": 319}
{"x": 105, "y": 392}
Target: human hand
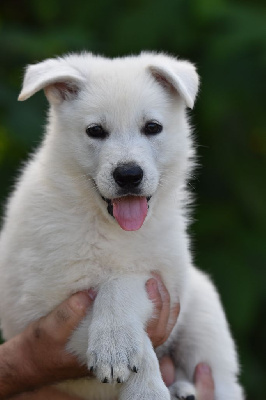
{"x": 53, "y": 332}
{"x": 25, "y": 362}
{"x": 202, "y": 378}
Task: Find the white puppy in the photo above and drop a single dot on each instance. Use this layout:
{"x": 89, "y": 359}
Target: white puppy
{"x": 101, "y": 204}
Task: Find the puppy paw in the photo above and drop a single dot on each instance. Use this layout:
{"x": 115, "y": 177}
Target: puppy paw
{"x": 114, "y": 353}
{"x": 183, "y": 390}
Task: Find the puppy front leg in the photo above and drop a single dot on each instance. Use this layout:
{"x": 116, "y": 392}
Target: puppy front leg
{"x": 116, "y": 331}
{"x": 147, "y": 384}
{"x": 118, "y": 347}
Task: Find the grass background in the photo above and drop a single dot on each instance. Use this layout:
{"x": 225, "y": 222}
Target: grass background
{"x": 227, "y": 41}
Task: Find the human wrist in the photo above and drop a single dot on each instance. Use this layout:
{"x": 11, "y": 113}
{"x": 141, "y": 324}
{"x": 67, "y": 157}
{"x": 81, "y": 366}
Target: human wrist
{"x": 16, "y": 371}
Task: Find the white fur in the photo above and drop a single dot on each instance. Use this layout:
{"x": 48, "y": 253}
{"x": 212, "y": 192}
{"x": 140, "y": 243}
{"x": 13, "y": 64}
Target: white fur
{"x": 58, "y": 237}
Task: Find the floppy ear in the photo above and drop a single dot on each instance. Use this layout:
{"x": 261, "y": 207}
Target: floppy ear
{"x": 180, "y": 76}
{"x": 59, "y": 80}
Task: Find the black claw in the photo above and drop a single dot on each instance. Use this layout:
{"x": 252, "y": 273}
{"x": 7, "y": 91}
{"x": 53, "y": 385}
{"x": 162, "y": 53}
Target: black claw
{"x": 118, "y": 380}
{"x": 135, "y": 369}
{"x": 91, "y": 369}
{"x": 191, "y": 397}
{"x": 105, "y": 380}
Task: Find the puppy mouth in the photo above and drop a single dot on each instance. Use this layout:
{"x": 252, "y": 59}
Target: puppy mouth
{"x": 129, "y": 211}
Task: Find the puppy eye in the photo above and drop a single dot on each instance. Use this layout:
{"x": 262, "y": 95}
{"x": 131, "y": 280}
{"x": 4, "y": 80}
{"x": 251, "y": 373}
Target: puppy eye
{"x": 96, "y": 132}
{"x": 152, "y": 128}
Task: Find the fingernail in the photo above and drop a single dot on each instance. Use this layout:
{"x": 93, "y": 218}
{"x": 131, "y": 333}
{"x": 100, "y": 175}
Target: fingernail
{"x": 79, "y": 301}
{"x": 92, "y": 294}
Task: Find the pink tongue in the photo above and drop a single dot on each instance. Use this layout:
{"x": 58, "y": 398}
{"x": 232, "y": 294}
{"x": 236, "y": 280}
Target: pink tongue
{"x": 130, "y": 212}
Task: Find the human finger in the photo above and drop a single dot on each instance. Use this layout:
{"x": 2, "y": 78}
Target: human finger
{"x": 167, "y": 369}
{"x": 155, "y": 296}
{"x": 169, "y": 312}
{"x": 204, "y": 382}
{"x": 165, "y": 310}
{"x": 174, "y": 313}
{"x": 64, "y": 319}
{"x": 165, "y": 316}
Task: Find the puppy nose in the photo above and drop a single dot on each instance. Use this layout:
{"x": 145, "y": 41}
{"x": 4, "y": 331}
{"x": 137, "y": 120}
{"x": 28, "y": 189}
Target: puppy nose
{"x": 128, "y": 175}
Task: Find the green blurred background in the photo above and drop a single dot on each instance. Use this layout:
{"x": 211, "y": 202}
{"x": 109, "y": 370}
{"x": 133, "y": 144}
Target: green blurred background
{"x": 227, "y": 41}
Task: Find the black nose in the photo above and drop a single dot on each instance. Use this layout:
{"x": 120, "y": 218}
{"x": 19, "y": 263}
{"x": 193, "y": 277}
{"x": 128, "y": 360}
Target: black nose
{"x": 128, "y": 175}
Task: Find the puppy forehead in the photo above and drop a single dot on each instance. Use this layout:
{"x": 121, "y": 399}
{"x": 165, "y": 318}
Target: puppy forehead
{"x": 124, "y": 90}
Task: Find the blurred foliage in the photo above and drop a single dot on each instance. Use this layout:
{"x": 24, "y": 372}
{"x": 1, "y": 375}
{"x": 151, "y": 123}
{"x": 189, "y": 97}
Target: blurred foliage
{"x": 227, "y": 41}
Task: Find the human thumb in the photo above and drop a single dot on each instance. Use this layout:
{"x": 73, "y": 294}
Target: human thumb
{"x": 65, "y": 317}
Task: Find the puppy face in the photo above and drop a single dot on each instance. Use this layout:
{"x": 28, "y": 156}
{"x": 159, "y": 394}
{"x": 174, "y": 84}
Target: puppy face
{"x": 123, "y": 123}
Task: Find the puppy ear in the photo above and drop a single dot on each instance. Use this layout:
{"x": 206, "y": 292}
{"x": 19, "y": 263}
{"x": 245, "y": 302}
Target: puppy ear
{"x": 59, "y": 80}
{"x": 177, "y": 75}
